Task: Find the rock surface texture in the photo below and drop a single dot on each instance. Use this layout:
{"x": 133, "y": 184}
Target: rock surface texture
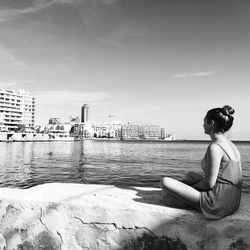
{"x": 81, "y": 216}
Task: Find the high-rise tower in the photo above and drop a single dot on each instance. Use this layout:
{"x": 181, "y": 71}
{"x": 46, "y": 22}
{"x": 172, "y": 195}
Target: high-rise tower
{"x": 85, "y": 113}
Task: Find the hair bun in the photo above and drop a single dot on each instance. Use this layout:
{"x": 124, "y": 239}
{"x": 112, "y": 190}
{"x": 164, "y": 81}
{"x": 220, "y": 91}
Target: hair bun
{"x": 228, "y": 110}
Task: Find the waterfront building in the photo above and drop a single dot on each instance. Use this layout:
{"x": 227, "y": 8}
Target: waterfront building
{"x": 101, "y": 130}
{"x": 151, "y": 132}
{"x": 54, "y": 121}
{"x": 3, "y": 128}
{"x": 108, "y": 130}
{"x": 169, "y": 137}
{"x": 55, "y": 125}
{"x": 131, "y": 131}
{"x": 88, "y": 129}
{"x": 138, "y": 131}
{"x": 17, "y": 109}
{"x": 116, "y": 127}
{"x": 59, "y": 127}
{"x": 76, "y": 130}
{"x": 85, "y": 113}
{"x": 163, "y": 133}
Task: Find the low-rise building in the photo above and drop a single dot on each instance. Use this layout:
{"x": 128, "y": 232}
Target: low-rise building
{"x": 102, "y": 130}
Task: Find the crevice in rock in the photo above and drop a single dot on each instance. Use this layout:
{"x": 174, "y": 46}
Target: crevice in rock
{"x": 40, "y": 218}
{"x": 60, "y": 236}
{"x": 21, "y": 206}
{"x": 96, "y": 223}
{"x": 114, "y": 224}
{"x": 60, "y": 239}
{"x": 49, "y": 231}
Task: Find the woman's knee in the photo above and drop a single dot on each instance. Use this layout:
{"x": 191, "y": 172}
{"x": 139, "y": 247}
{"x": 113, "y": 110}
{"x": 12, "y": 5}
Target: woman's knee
{"x": 166, "y": 182}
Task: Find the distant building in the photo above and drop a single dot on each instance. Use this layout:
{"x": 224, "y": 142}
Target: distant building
{"x": 163, "y": 133}
{"x": 131, "y": 131}
{"x": 85, "y": 113}
{"x": 53, "y": 121}
{"x": 117, "y": 130}
{"x": 3, "y": 128}
{"x": 146, "y": 131}
{"x": 151, "y": 132}
{"x": 17, "y": 109}
{"x": 107, "y": 130}
{"x": 169, "y": 137}
{"x": 56, "y": 126}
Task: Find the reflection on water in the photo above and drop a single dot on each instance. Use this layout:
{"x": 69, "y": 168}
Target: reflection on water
{"x": 25, "y": 164}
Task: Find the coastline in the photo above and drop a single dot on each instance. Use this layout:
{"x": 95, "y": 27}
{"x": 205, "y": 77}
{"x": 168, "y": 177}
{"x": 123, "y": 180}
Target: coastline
{"x": 37, "y": 137}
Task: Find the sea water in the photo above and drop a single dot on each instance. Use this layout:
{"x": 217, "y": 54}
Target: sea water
{"x": 136, "y": 163}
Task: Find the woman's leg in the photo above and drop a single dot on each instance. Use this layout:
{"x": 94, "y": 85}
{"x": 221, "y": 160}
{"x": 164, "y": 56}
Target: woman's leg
{"x": 192, "y": 178}
{"x": 182, "y": 191}
{"x": 171, "y": 200}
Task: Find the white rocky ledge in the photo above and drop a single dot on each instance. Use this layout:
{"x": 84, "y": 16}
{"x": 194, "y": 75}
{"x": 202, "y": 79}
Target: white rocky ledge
{"x": 81, "y": 216}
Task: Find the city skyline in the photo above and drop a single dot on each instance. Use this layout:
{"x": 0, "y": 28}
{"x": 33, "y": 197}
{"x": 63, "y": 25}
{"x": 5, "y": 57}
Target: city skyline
{"x": 159, "y": 61}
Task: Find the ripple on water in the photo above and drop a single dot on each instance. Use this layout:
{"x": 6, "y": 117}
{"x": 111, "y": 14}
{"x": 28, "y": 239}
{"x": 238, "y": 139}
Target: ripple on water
{"x": 118, "y": 163}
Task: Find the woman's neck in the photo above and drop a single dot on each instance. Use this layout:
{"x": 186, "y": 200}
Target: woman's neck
{"x": 218, "y": 136}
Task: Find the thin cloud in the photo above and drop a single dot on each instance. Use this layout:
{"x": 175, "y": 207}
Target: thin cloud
{"x": 38, "y": 5}
{"x": 8, "y": 60}
{"x": 195, "y": 74}
{"x": 108, "y": 1}
{"x": 8, "y": 14}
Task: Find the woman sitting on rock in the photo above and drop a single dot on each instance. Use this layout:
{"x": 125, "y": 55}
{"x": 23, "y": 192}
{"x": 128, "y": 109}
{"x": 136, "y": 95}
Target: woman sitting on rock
{"x": 217, "y": 192}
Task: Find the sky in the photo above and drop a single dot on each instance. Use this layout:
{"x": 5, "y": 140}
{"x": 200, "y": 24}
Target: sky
{"x": 164, "y": 62}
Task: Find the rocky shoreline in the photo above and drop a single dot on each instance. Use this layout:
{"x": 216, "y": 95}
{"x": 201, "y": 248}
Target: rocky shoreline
{"x": 82, "y": 216}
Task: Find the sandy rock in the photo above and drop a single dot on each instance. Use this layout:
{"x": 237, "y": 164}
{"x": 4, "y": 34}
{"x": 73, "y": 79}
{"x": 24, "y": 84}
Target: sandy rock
{"x": 80, "y": 216}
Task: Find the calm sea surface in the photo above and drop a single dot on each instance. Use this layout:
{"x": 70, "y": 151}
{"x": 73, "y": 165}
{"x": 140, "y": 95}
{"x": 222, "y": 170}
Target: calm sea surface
{"x": 26, "y": 164}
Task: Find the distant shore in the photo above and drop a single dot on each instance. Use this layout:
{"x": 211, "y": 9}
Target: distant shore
{"x": 38, "y": 137}
{"x": 162, "y": 140}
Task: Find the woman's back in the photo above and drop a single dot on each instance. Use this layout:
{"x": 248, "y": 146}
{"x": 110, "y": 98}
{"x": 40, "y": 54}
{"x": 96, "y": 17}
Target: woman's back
{"x": 230, "y": 152}
{"x": 215, "y": 203}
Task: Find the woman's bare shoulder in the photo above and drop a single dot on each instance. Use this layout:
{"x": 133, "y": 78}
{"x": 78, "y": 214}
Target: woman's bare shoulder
{"x": 214, "y": 148}
{"x": 227, "y": 148}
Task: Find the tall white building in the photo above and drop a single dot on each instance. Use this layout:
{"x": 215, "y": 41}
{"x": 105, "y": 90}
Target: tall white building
{"x": 17, "y": 108}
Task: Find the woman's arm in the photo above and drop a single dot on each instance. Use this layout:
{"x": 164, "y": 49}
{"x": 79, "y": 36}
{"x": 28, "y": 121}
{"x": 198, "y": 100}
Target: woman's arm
{"x": 214, "y": 155}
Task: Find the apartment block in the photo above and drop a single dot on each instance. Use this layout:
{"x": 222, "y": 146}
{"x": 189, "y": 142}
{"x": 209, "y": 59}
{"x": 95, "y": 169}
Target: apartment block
{"x": 17, "y": 108}
{"x": 131, "y": 131}
{"x": 147, "y": 131}
{"x": 151, "y": 132}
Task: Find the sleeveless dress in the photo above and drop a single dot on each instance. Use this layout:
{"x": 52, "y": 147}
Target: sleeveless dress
{"x": 224, "y": 198}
